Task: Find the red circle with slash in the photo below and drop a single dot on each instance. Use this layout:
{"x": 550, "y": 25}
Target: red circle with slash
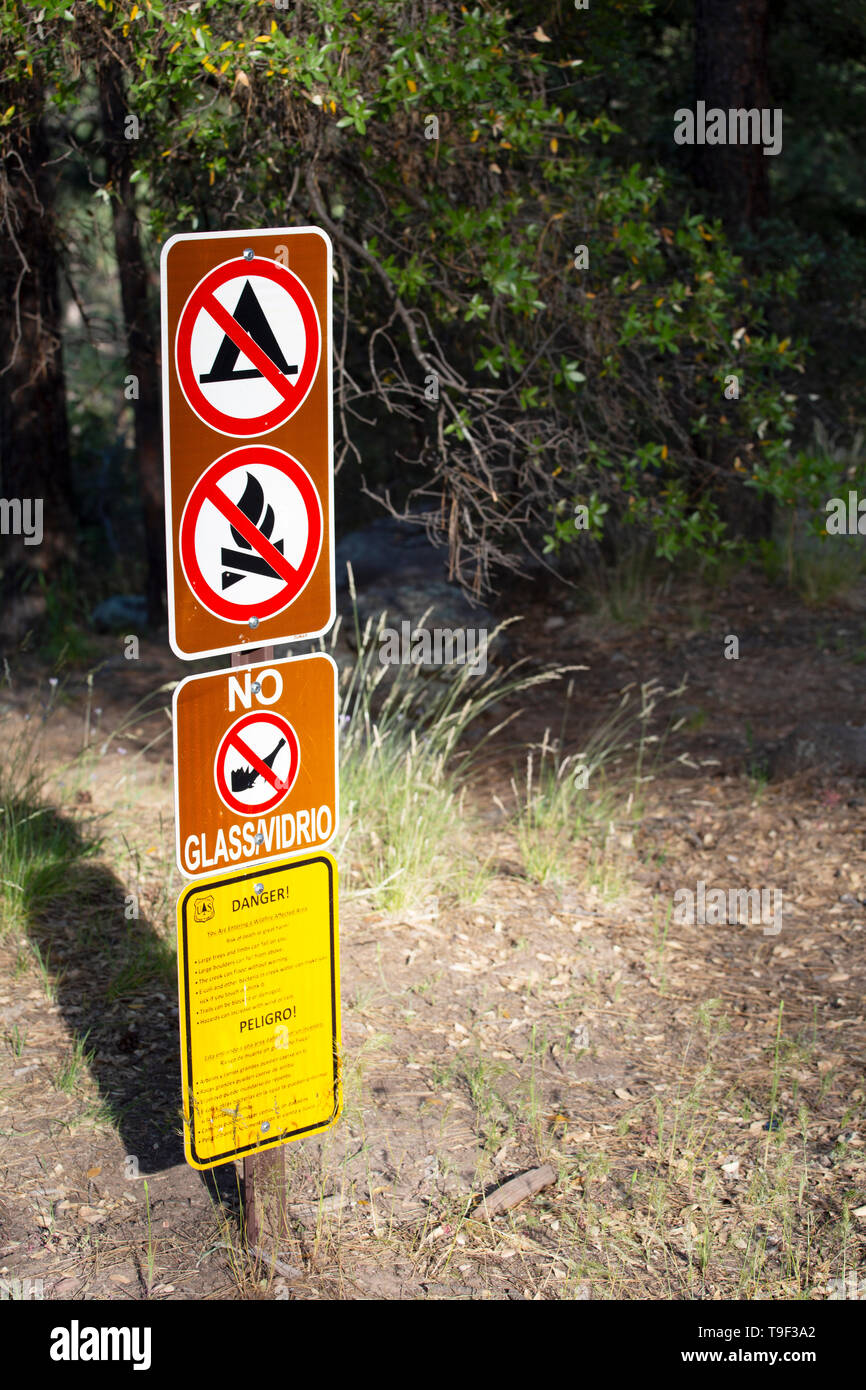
{"x": 275, "y": 786}
{"x": 203, "y": 300}
{"x": 206, "y": 490}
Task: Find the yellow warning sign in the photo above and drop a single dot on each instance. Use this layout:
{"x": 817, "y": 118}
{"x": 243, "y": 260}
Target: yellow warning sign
{"x": 258, "y": 970}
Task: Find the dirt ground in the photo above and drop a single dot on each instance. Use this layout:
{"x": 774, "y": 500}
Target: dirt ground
{"x": 697, "y": 1090}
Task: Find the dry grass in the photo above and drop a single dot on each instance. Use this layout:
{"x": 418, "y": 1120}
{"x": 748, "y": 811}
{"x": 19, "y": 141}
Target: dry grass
{"x": 697, "y": 1090}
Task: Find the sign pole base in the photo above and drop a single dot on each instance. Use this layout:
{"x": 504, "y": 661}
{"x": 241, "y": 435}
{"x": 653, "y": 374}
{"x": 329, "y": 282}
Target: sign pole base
{"x": 265, "y": 1194}
{"x": 265, "y": 1199}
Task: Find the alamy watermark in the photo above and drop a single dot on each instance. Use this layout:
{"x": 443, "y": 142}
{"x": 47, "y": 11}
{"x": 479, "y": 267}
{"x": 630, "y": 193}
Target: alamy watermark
{"x": 22, "y": 1290}
{"x": 733, "y": 127}
{"x": 716, "y": 907}
{"x": 77, "y": 1343}
{"x": 848, "y": 1286}
{"x": 22, "y": 516}
{"x": 437, "y": 646}
{"x": 846, "y": 516}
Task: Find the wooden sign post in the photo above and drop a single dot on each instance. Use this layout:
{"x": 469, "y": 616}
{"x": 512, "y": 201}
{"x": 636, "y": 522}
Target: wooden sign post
{"x": 265, "y": 1192}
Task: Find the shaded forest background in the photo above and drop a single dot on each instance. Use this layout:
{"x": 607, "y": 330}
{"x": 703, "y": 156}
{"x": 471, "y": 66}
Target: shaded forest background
{"x": 490, "y": 373}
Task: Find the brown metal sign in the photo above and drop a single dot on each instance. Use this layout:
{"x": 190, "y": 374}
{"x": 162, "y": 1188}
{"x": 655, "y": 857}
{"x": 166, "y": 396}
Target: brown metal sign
{"x": 255, "y": 752}
{"x": 248, "y": 431}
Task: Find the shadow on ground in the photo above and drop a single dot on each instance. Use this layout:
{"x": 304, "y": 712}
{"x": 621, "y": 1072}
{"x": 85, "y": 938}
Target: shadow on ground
{"x": 114, "y": 978}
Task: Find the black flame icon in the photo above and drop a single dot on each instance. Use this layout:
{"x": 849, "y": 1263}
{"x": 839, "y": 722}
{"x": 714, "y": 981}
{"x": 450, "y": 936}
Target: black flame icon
{"x": 247, "y": 560}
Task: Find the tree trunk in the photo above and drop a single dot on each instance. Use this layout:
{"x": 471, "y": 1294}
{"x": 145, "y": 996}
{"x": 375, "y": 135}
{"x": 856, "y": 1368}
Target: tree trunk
{"x": 35, "y": 473}
{"x": 731, "y": 72}
{"x": 140, "y": 334}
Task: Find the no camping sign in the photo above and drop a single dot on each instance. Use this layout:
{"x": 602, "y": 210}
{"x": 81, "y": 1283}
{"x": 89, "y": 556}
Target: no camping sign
{"x": 247, "y": 346}
{"x": 247, "y": 387}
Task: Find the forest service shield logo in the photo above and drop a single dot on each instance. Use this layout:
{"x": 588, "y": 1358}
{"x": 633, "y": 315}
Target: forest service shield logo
{"x": 203, "y": 908}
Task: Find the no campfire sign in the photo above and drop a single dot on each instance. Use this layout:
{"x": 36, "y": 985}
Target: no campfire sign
{"x": 255, "y": 752}
{"x": 246, "y": 350}
{"x": 257, "y": 574}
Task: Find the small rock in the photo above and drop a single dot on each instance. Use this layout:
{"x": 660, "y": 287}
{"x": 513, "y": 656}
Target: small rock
{"x": 64, "y": 1288}
{"x": 90, "y": 1216}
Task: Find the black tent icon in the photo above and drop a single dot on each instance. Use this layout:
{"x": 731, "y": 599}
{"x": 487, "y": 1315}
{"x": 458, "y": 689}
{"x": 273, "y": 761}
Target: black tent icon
{"x": 249, "y": 314}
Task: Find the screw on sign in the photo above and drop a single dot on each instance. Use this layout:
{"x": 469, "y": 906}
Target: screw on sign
{"x": 257, "y": 763}
{"x": 235, "y": 564}
{"x": 247, "y": 347}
